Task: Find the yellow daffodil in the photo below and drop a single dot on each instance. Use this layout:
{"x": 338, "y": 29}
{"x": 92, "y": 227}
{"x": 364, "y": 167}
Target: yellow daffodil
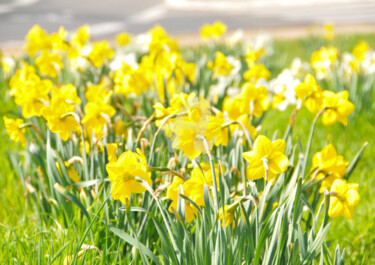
{"x": 99, "y": 93}
{"x": 214, "y": 31}
{"x": 112, "y": 152}
{"x": 220, "y": 66}
{"x": 228, "y": 214}
{"x": 215, "y": 130}
{"x": 322, "y": 61}
{"x": 310, "y": 93}
{"x": 122, "y": 38}
{"x": 58, "y": 40}
{"x": 329, "y": 166}
{"x": 194, "y": 185}
{"x": 100, "y": 53}
{"x": 360, "y": 50}
{"x": 30, "y": 92}
{"x": 253, "y": 56}
{"x": 58, "y": 118}
{"x": 231, "y": 107}
{"x": 161, "y": 41}
{"x": 14, "y": 130}
{"x": 190, "y": 129}
{"x": 129, "y": 81}
{"x": 254, "y": 100}
{"x": 49, "y": 64}
{"x": 67, "y": 93}
{"x": 256, "y": 72}
{"x": 344, "y": 196}
{"x": 338, "y": 107}
{"x": 72, "y": 173}
{"x": 96, "y": 115}
{"x": 121, "y": 129}
{"x": 172, "y": 193}
{"x": 81, "y": 37}
{"x": 266, "y": 157}
{"x": 122, "y": 175}
{"x": 37, "y": 39}
{"x": 329, "y": 31}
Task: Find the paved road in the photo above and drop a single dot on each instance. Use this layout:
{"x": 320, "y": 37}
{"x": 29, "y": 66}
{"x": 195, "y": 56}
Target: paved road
{"x": 108, "y": 17}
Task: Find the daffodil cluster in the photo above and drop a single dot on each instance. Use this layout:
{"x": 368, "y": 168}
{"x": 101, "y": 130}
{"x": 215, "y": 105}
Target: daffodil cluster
{"x": 138, "y": 114}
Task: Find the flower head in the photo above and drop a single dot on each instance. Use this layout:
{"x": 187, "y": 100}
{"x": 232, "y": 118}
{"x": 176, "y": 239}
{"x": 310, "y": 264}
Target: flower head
{"x": 266, "y": 157}
{"x": 100, "y": 53}
{"x": 228, "y": 214}
{"x": 221, "y": 66}
{"x": 15, "y": 132}
{"x": 310, "y": 93}
{"x": 329, "y": 166}
{"x": 122, "y": 175}
{"x": 345, "y": 196}
{"x": 214, "y": 31}
{"x": 338, "y": 107}
{"x": 173, "y": 194}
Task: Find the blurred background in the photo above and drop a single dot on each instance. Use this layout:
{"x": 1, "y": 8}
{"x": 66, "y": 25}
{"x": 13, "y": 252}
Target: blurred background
{"x": 109, "y": 17}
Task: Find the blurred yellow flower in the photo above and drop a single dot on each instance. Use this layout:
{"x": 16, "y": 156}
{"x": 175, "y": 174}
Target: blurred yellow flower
{"x": 255, "y": 99}
{"x": 228, "y": 214}
{"x": 67, "y": 93}
{"x": 215, "y": 130}
{"x": 49, "y": 63}
{"x": 322, "y": 61}
{"x": 329, "y": 31}
{"x": 99, "y": 93}
{"x": 122, "y": 175}
{"x": 58, "y": 118}
{"x": 30, "y": 92}
{"x": 37, "y": 39}
{"x": 190, "y": 129}
{"x": 220, "y": 66}
{"x": 172, "y": 193}
{"x": 310, "y": 93}
{"x": 253, "y": 56}
{"x": 360, "y": 50}
{"x": 345, "y": 196}
{"x": 81, "y": 37}
{"x": 214, "y": 31}
{"x": 100, "y": 53}
{"x": 194, "y": 185}
{"x": 266, "y": 156}
{"x": 338, "y": 107}
{"x": 72, "y": 173}
{"x": 96, "y": 116}
{"x": 112, "y": 152}
{"x": 14, "y": 130}
{"x": 256, "y": 72}
{"x": 123, "y": 38}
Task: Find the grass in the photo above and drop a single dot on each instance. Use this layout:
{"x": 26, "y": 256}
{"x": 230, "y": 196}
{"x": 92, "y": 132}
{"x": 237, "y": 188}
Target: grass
{"x": 29, "y": 241}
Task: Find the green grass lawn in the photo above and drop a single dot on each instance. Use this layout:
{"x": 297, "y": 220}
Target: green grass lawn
{"x": 29, "y": 241}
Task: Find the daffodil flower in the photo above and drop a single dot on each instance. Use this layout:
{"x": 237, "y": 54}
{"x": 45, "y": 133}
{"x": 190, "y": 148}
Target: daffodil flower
{"x": 122, "y": 175}
{"x": 338, "y": 107}
{"x": 267, "y": 159}
{"x": 343, "y": 197}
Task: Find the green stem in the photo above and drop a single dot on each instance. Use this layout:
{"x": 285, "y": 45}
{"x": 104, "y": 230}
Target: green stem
{"x": 307, "y": 151}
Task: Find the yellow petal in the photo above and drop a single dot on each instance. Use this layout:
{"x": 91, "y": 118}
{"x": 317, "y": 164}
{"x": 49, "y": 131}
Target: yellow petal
{"x": 278, "y": 163}
{"x": 339, "y": 186}
{"x": 335, "y": 207}
{"x": 352, "y": 197}
{"x": 262, "y": 146}
{"x": 278, "y": 145}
